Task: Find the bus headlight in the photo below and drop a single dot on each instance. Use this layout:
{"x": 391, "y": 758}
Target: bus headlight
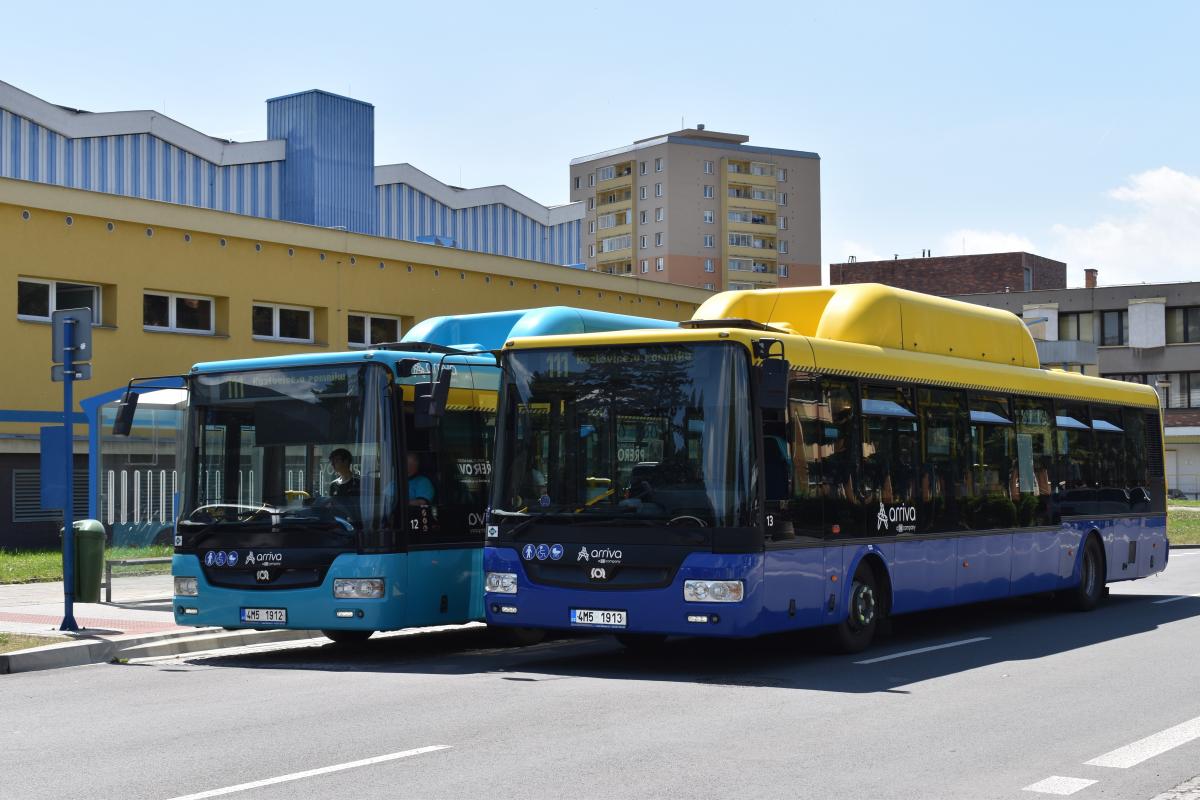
{"x": 501, "y": 582}
{"x": 713, "y": 591}
{"x": 186, "y": 587}
{"x": 357, "y": 588}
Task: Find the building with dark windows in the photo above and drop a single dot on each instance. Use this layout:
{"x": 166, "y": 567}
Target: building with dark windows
{"x": 1145, "y": 333}
{"x": 954, "y": 275}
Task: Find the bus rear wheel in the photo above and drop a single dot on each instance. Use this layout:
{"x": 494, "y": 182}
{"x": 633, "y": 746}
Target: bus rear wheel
{"x": 1090, "y": 591}
{"x": 347, "y": 637}
{"x": 855, "y": 632}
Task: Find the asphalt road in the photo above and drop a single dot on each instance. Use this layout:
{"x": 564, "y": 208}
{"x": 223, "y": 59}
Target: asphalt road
{"x": 1026, "y": 696}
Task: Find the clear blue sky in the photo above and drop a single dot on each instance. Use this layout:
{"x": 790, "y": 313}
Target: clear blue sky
{"x": 1066, "y": 128}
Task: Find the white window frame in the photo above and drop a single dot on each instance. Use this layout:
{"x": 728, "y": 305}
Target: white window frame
{"x": 710, "y": 287}
{"x": 591, "y": 179}
{"x": 592, "y": 226}
{"x": 367, "y": 317}
{"x": 708, "y": 265}
{"x": 782, "y": 198}
{"x": 781, "y": 246}
{"x": 643, "y": 217}
{"x": 641, "y": 168}
{"x": 658, "y": 164}
{"x": 709, "y": 217}
{"x": 783, "y": 223}
{"x": 783, "y": 270}
{"x": 591, "y": 203}
{"x": 641, "y": 192}
{"x": 708, "y": 168}
{"x": 171, "y": 320}
{"x": 97, "y": 316}
{"x": 709, "y": 241}
{"x": 577, "y": 182}
{"x": 643, "y": 241}
{"x": 658, "y": 190}
{"x": 591, "y": 251}
{"x": 659, "y": 264}
{"x": 658, "y": 239}
{"x": 660, "y": 214}
{"x": 275, "y": 309}
{"x": 781, "y": 174}
{"x": 645, "y": 264}
{"x": 708, "y": 191}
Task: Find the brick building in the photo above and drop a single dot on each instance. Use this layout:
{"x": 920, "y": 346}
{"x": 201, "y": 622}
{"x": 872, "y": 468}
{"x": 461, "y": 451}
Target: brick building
{"x": 952, "y": 275}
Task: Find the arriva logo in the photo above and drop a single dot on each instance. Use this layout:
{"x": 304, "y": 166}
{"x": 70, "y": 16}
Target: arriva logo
{"x": 903, "y": 517}
{"x": 263, "y": 558}
{"x": 598, "y": 554}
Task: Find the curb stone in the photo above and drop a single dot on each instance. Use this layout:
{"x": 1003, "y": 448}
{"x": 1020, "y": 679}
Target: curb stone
{"x": 96, "y": 651}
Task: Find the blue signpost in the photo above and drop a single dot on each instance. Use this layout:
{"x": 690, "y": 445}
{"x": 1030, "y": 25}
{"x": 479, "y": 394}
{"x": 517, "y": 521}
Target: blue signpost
{"x": 72, "y": 349}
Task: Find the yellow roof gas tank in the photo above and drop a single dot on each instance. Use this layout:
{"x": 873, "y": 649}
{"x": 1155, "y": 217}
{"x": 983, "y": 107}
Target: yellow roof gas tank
{"x": 883, "y": 316}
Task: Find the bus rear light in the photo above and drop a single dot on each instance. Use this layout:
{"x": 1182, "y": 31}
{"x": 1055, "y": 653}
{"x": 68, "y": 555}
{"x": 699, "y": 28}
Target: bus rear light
{"x": 358, "y": 588}
{"x": 186, "y": 586}
{"x": 713, "y": 591}
{"x": 501, "y": 582}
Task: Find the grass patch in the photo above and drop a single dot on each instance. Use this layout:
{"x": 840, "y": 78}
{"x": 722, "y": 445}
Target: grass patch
{"x": 1183, "y": 527}
{"x": 37, "y": 566}
{"x": 1185, "y": 503}
{"x": 10, "y": 642}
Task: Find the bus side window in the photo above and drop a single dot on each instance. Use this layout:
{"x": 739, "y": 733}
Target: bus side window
{"x": 993, "y": 476}
{"x": 1136, "y": 480}
{"x": 889, "y": 466}
{"x": 1109, "y": 438}
{"x": 839, "y": 459}
{"x": 808, "y": 415}
{"x": 944, "y": 462}
{"x": 1035, "y": 460}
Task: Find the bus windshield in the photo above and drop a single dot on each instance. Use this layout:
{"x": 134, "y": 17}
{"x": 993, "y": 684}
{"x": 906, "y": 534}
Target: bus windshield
{"x": 657, "y": 434}
{"x": 303, "y": 454}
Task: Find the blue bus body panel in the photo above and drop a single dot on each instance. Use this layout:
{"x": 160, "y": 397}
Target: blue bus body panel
{"x": 414, "y": 586}
{"x": 924, "y": 574}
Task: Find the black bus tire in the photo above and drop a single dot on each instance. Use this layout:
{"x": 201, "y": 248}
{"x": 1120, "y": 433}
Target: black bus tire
{"x": 855, "y": 632}
{"x": 348, "y": 637}
{"x": 1090, "y": 591}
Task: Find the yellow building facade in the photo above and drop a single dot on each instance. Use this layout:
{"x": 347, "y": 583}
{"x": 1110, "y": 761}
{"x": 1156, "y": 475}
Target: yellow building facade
{"x": 176, "y": 285}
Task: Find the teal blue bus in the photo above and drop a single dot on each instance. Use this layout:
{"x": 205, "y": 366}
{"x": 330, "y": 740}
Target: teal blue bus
{"x": 346, "y": 492}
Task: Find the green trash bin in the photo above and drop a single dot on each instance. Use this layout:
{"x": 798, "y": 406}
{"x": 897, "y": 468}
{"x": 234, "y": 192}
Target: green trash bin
{"x": 89, "y": 560}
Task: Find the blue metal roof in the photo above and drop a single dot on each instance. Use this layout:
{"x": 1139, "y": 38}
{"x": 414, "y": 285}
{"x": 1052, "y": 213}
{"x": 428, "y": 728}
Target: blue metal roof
{"x": 491, "y": 330}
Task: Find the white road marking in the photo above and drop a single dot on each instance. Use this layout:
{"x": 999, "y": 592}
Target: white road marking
{"x": 309, "y": 773}
{"x": 1154, "y": 745}
{"x": 1175, "y": 598}
{"x": 920, "y": 650}
{"x": 1057, "y": 784}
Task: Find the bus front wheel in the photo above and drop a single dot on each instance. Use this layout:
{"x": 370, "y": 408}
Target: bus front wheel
{"x": 347, "y": 637}
{"x": 855, "y": 632}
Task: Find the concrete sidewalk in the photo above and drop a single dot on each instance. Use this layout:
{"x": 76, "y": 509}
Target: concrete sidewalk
{"x": 139, "y": 625}
{"x": 143, "y": 605}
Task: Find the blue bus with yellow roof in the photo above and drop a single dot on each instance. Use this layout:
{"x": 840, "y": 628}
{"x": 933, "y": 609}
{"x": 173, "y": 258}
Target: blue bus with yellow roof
{"x": 345, "y": 492}
{"x": 819, "y": 457}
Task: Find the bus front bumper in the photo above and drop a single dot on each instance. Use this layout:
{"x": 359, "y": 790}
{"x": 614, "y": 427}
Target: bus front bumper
{"x": 649, "y": 611}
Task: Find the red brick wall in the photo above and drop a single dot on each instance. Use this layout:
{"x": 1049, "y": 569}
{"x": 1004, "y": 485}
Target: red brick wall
{"x": 950, "y": 275}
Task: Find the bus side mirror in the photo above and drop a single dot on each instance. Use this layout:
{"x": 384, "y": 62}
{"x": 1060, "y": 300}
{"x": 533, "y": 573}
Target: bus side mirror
{"x": 123, "y": 424}
{"x": 773, "y": 383}
{"x": 429, "y": 403}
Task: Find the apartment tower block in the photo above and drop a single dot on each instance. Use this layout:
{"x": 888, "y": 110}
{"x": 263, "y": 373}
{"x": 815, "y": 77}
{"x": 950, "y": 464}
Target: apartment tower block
{"x": 702, "y": 208}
